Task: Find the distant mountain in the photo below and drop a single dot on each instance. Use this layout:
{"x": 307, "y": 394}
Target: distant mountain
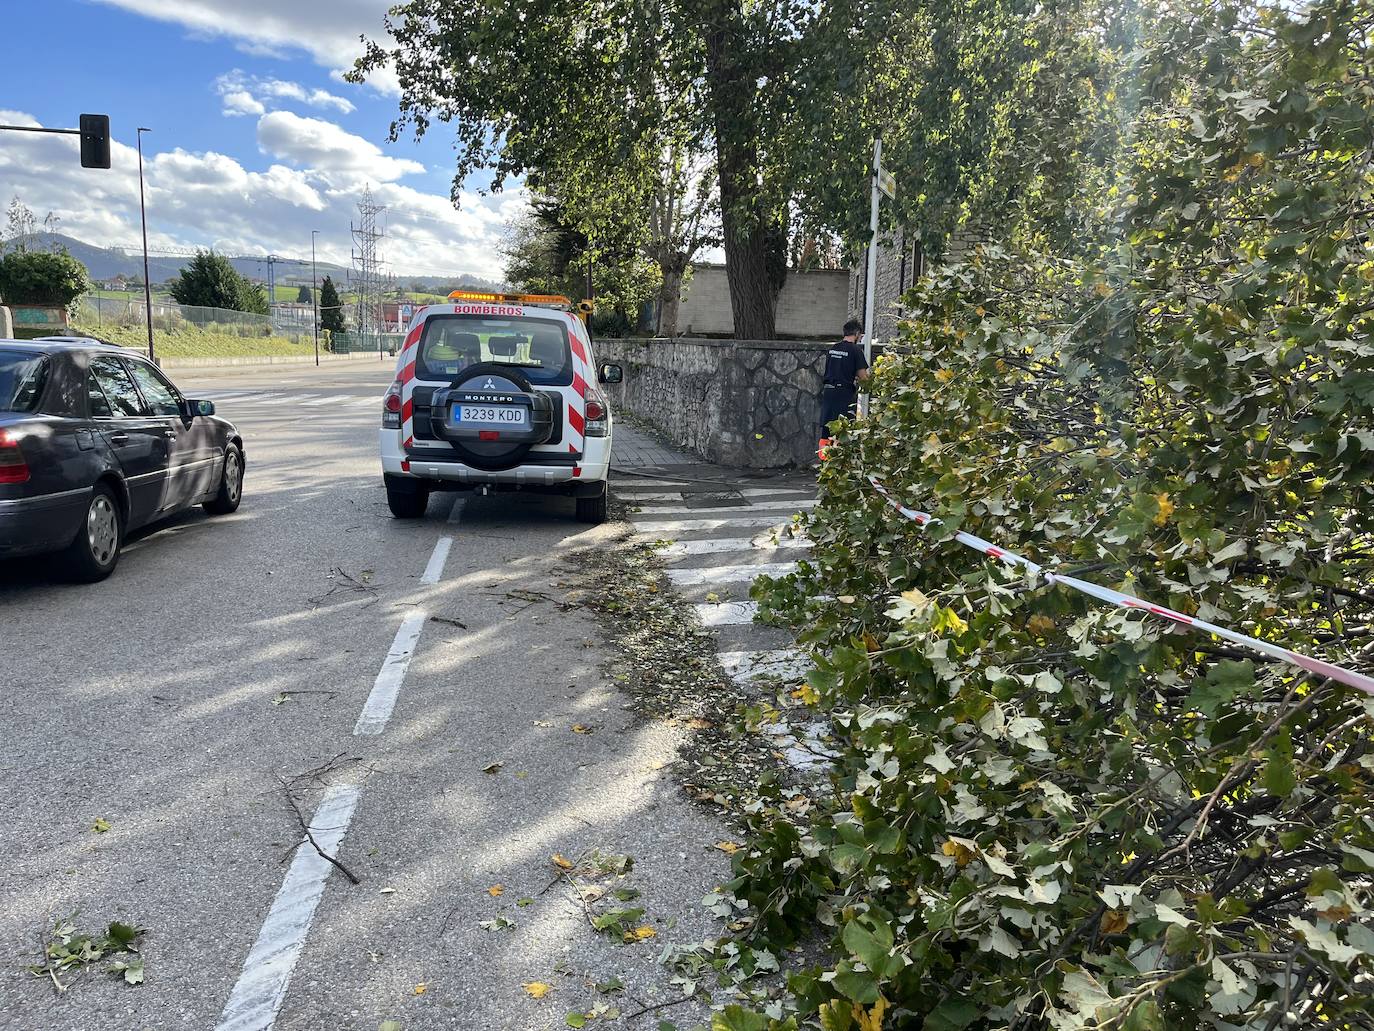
{"x": 107, "y": 263}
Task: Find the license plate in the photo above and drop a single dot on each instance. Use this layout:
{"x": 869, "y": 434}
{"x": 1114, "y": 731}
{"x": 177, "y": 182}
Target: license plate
{"x": 498, "y": 414}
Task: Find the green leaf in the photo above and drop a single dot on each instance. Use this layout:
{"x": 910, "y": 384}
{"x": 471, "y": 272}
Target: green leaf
{"x": 953, "y": 1014}
{"x": 389, "y": 1025}
{"x": 575, "y": 1019}
{"x": 871, "y": 944}
{"x": 122, "y": 935}
{"x": 737, "y": 1018}
{"x": 1279, "y": 777}
{"x": 861, "y": 986}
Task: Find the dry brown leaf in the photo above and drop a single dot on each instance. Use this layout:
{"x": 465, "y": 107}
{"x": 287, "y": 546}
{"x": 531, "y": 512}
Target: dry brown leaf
{"x": 537, "y": 989}
{"x": 963, "y": 855}
{"x": 641, "y": 933}
{"x": 492, "y": 767}
{"x": 582, "y": 728}
{"x": 1113, "y": 921}
{"x": 1040, "y": 625}
{"x": 561, "y": 861}
{"x": 421, "y": 988}
{"x": 728, "y": 847}
{"x": 495, "y": 890}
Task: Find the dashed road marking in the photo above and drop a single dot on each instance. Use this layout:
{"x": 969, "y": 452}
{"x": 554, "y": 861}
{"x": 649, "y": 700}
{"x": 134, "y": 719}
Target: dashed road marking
{"x": 261, "y": 987}
{"x": 377, "y": 709}
{"x": 435, "y": 569}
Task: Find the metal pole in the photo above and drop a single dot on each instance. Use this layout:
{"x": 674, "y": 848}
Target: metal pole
{"x": 870, "y": 277}
{"x": 315, "y": 293}
{"x": 143, "y": 215}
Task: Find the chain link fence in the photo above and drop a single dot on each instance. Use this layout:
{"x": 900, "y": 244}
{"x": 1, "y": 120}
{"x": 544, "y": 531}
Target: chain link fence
{"x": 98, "y": 314}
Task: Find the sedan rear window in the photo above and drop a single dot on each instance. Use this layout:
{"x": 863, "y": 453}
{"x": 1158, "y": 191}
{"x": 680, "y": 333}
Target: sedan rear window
{"x": 537, "y": 348}
{"x": 22, "y": 377}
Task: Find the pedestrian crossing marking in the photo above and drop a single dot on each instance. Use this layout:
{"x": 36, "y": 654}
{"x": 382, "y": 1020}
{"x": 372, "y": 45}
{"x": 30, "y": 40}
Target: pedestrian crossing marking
{"x": 778, "y": 663}
{"x": 730, "y": 545}
{"x": 729, "y": 574}
{"x": 676, "y": 526}
{"x": 726, "y": 613}
{"x": 773, "y": 506}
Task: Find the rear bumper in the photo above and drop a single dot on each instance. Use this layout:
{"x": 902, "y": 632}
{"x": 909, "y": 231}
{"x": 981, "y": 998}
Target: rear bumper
{"x": 44, "y": 523}
{"x": 454, "y": 475}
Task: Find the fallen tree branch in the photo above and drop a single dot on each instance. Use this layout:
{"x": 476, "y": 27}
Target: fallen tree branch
{"x": 310, "y": 837}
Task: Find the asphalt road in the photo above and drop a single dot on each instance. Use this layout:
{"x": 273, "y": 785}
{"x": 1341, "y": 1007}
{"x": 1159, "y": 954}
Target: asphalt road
{"x": 232, "y": 661}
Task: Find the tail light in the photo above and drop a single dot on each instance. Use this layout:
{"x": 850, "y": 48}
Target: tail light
{"x": 13, "y": 468}
{"x": 391, "y": 408}
{"x": 598, "y": 416}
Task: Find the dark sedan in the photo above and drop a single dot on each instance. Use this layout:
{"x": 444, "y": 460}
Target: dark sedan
{"x": 94, "y": 442}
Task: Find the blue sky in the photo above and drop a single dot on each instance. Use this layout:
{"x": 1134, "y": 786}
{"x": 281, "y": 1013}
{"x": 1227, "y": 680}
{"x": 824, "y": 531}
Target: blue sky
{"x": 256, "y": 140}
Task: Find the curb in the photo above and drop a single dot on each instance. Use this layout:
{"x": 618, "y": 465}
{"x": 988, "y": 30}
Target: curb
{"x": 284, "y": 359}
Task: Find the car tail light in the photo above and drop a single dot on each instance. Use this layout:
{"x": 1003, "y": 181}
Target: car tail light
{"x": 391, "y": 408}
{"x": 598, "y": 416}
{"x": 13, "y": 468}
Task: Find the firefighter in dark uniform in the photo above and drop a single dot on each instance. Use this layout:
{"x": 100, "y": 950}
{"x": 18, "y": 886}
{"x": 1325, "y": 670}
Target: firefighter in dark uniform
{"x": 845, "y": 368}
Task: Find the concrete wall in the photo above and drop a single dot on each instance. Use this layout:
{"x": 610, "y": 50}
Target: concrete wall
{"x": 811, "y": 304}
{"x": 900, "y": 264}
{"x": 749, "y": 404}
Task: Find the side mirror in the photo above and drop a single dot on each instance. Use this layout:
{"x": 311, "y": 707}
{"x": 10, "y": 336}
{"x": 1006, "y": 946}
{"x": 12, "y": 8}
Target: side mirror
{"x": 199, "y": 408}
{"x": 612, "y": 374}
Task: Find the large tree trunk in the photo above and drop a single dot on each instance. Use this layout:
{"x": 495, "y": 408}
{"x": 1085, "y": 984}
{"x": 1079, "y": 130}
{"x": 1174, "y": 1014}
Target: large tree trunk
{"x": 674, "y": 266}
{"x": 750, "y": 235}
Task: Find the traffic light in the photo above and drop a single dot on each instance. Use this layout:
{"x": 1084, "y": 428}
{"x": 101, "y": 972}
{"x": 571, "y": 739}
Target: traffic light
{"x": 95, "y": 141}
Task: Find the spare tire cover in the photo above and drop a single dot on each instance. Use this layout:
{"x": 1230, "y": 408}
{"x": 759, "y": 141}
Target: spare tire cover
{"x": 501, "y": 383}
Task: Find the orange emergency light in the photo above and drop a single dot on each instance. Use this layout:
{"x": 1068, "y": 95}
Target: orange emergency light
{"x": 484, "y": 297}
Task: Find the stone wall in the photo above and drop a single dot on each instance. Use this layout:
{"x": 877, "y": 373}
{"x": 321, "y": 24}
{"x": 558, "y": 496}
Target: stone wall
{"x": 811, "y": 304}
{"x": 901, "y": 263}
{"x": 749, "y": 404}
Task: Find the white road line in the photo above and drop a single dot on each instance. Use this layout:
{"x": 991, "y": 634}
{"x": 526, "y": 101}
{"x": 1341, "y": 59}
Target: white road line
{"x": 275, "y": 399}
{"x": 331, "y": 399}
{"x": 253, "y": 396}
{"x": 367, "y": 402}
{"x": 781, "y": 663}
{"x": 636, "y": 486}
{"x": 727, "y": 613}
{"x": 377, "y": 708}
{"x": 637, "y": 498}
{"x": 726, "y": 545}
{"x": 676, "y": 526}
{"x": 729, "y": 574}
{"x": 435, "y": 569}
{"x": 773, "y": 506}
{"x": 455, "y": 514}
{"x": 261, "y": 988}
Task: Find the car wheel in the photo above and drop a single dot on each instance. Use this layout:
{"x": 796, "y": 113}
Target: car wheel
{"x": 407, "y": 503}
{"x": 593, "y": 509}
{"x": 94, "y": 553}
{"x": 230, "y": 484}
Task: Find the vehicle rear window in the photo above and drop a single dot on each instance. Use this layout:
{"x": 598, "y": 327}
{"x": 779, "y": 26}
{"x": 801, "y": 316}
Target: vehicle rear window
{"x": 538, "y": 348}
{"x": 22, "y": 377}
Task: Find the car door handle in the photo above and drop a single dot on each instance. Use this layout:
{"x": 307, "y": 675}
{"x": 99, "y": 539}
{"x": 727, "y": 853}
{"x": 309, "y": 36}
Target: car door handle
{"x": 119, "y": 438}
{"x": 170, "y": 434}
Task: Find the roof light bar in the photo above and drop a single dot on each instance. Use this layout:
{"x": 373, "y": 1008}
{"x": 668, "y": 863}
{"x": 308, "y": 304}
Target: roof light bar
{"x": 495, "y": 298}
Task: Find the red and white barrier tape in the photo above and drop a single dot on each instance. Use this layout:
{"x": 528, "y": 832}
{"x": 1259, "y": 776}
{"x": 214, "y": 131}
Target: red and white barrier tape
{"x": 1126, "y": 601}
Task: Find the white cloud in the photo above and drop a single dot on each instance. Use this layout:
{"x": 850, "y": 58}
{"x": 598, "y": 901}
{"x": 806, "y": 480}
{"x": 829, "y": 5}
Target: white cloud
{"x": 245, "y": 95}
{"x": 315, "y": 143}
{"x": 239, "y": 102}
{"x": 212, "y": 199}
{"x": 326, "y": 29}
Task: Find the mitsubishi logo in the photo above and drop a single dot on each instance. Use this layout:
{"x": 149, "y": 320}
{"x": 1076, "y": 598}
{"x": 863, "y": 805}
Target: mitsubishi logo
{"x": 490, "y": 384}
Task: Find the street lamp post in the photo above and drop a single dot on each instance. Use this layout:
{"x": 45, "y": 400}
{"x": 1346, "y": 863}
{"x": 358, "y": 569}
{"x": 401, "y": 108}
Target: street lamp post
{"x": 143, "y": 214}
{"x": 315, "y": 293}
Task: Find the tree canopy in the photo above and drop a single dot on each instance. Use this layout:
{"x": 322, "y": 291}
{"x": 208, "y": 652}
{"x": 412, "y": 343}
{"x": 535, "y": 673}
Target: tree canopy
{"x": 40, "y": 277}
{"x": 210, "y": 280}
{"x": 1049, "y": 812}
{"x": 331, "y": 310}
